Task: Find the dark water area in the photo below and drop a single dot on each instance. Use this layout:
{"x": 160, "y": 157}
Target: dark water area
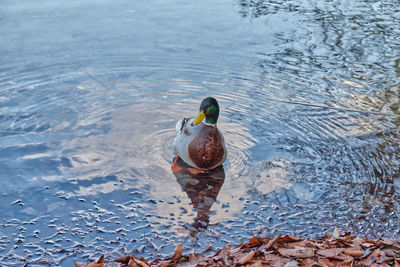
{"x": 90, "y": 92}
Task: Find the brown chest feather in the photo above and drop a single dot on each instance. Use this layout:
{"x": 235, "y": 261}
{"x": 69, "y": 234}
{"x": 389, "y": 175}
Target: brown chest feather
{"x": 206, "y": 149}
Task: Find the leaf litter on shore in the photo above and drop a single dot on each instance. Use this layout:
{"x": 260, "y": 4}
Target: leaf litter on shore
{"x": 282, "y": 250}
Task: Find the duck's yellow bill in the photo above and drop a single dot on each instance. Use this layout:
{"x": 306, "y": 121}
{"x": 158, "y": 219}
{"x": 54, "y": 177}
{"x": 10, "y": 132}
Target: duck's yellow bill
{"x": 200, "y": 117}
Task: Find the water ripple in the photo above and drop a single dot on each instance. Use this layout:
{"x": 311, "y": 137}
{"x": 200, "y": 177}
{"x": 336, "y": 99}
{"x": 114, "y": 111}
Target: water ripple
{"x": 309, "y": 113}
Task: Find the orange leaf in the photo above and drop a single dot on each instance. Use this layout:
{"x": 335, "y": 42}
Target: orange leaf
{"x": 255, "y": 241}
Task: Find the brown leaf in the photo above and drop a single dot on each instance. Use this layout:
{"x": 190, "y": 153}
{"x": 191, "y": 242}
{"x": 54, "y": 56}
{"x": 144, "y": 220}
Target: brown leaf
{"x": 272, "y": 242}
{"x": 396, "y": 244}
{"x": 328, "y": 262}
{"x": 98, "y": 263}
{"x": 135, "y": 262}
{"x": 371, "y": 258}
{"x": 258, "y": 263}
{"x": 255, "y": 241}
{"x": 123, "y": 259}
{"x": 178, "y": 251}
{"x": 288, "y": 239}
{"x": 303, "y": 243}
{"x": 194, "y": 259}
{"x": 387, "y": 241}
{"x": 308, "y": 263}
{"x": 225, "y": 254}
{"x": 367, "y": 245}
{"x": 132, "y": 263}
{"x": 297, "y": 252}
{"x": 389, "y": 252}
{"x": 247, "y": 258}
{"x": 333, "y": 253}
{"x": 354, "y": 252}
{"x": 383, "y": 258}
{"x": 271, "y": 258}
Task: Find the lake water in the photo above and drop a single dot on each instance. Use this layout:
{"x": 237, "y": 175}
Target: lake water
{"x": 90, "y": 92}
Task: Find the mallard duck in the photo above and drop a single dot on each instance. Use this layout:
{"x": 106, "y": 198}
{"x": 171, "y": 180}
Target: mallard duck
{"x": 199, "y": 143}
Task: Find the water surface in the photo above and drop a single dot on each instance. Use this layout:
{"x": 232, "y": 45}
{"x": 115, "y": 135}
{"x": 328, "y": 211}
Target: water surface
{"x": 90, "y": 93}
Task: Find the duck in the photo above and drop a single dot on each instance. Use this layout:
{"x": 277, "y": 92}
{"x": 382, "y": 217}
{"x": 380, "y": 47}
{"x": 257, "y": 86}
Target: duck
{"x": 199, "y": 142}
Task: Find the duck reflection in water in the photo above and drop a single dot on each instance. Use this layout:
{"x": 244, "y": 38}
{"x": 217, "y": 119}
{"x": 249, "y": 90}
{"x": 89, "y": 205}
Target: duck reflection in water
{"x": 202, "y": 187}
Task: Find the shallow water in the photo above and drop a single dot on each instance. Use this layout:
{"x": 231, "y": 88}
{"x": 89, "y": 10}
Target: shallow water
{"x": 90, "y": 93}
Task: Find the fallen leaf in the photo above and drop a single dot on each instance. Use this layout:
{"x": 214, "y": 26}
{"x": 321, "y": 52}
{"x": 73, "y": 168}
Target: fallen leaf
{"x": 98, "y": 263}
{"x": 281, "y": 251}
{"x": 178, "y": 251}
{"x": 194, "y": 259}
{"x": 333, "y": 253}
{"x": 354, "y": 252}
{"x": 132, "y": 263}
{"x": 328, "y": 262}
{"x": 291, "y": 264}
{"x": 225, "y": 254}
{"x": 247, "y": 258}
{"x": 123, "y": 260}
{"x": 383, "y": 258}
{"x": 308, "y": 263}
{"x": 258, "y": 263}
{"x": 302, "y": 243}
{"x": 335, "y": 234}
{"x": 271, "y": 258}
{"x": 371, "y": 258}
{"x": 288, "y": 239}
{"x": 135, "y": 262}
{"x": 298, "y": 252}
{"x": 389, "y": 252}
{"x": 255, "y": 241}
{"x": 387, "y": 241}
{"x": 272, "y": 242}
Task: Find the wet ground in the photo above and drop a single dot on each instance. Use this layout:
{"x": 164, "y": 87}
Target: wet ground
{"x": 90, "y": 93}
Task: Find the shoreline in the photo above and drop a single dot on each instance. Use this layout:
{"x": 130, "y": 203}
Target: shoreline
{"x": 281, "y": 250}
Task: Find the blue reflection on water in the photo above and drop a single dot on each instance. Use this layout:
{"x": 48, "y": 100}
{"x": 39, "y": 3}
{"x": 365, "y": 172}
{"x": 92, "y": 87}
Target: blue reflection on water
{"x": 90, "y": 93}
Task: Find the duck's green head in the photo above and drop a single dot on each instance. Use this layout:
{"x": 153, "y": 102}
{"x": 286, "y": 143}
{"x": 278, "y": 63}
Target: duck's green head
{"x": 209, "y": 109}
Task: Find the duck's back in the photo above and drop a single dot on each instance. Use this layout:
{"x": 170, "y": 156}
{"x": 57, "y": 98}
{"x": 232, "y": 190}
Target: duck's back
{"x": 207, "y": 149}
